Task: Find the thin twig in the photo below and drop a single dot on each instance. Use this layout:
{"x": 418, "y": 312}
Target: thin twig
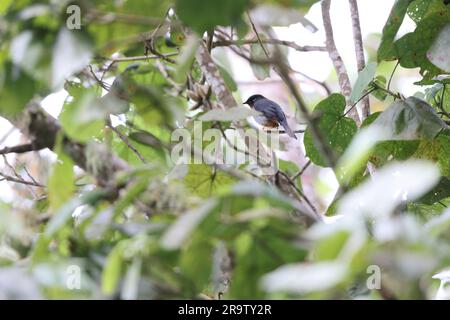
{"x": 291, "y": 44}
{"x": 21, "y": 181}
{"x": 392, "y": 75}
{"x": 302, "y": 170}
{"x": 127, "y": 142}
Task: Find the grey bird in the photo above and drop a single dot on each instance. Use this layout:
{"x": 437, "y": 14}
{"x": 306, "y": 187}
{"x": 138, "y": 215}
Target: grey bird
{"x": 272, "y": 116}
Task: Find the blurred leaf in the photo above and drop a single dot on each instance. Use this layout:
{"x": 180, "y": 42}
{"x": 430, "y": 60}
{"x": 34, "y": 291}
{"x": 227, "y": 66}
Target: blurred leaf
{"x": 196, "y": 261}
{"x": 72, "y": 52}
{"x": 439, "y": 192}
{"x": 438, "y": 52}
{"x": 274, "y": 15}
{"x": 365, "y": 76}
{"x": 261, "y": 71}
{"x": 16, "y": 90}
{"x": 179, "y": 232}
{"x": 393, "y": 184}
{"x": 305, "y": 278}
{"x": 112, "y": 269}
{"x": 186, "y": 58}
{"x": 336, "y": 129}
{"x": 131, "y": 280}
{"x": 61, "y": 183}
{"x": 80, "y": 119}
{"x": 203, "y": 15}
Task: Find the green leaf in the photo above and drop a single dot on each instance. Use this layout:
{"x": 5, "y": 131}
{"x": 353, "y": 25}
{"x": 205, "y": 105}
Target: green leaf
{"x": 438, "y": 52}
{"x": 81, "y": 120}
{"x": 412, "y": 47}
{"x": 16, "y": 90}
{"x": 112, "y": 269}
{"x": 439, "y": 192}
{"x": 420, "y": 9}
{"x": 365, "y": 77}
{"x": 410, "y": 119}
{"x": 386, "y": 50}
{"x": 336, "y": 129}
{"x": 203, "y": 15}
{"x": 261, "y": 71}
{"x": 379, "y": 81}
{"x": 204, "y": 181}
{"x": 186, "y": 58}
{"x": 61, "y": 184}
{"x": 196, "y": 261}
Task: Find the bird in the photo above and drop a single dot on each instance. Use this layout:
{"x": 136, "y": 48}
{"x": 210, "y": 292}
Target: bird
{"x": 272, "y": 116}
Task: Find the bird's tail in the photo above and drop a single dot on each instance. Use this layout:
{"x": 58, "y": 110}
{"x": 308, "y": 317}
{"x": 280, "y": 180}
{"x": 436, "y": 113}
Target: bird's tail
{"x": 288, "y": 129}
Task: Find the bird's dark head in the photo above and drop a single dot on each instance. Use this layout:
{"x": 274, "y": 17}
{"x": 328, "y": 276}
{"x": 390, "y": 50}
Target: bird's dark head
{"x": 252, "y": 99}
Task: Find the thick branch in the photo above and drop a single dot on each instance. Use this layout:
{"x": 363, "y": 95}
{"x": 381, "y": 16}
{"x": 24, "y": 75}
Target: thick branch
{"x": 359, "y": 50}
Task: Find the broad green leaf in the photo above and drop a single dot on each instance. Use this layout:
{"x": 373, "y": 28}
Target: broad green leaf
{"x": 16, "y": 90}
{"x": 386, "y": 50}
{"x": 410, "y": 119}
{"x": 336, "y": 129}
{"x": 204, "y": 181}
{"x": 420, "y": 9}
{"x": 261, "y": 71}
{"x": 203, "y": 15}
{"x": 412, "y": 47}
{"x": 365, "y": 76}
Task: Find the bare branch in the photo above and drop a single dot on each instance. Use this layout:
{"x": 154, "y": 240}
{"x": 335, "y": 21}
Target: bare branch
{"x": 290, "y": 44}
{"x": 302, "y": 170}
{"x": 359, "y": 51}
{"x": 338, "y": 63}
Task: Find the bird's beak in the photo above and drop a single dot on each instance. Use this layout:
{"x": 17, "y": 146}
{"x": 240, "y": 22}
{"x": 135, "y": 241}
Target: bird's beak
{"x": 246, "y": 102}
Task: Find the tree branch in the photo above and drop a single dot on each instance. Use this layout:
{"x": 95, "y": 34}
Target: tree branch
{"x": 338, "y": 63}
{"x": 359, "y": 51}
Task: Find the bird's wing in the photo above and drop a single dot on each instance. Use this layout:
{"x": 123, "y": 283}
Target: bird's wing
{"x": 270, "y": 109}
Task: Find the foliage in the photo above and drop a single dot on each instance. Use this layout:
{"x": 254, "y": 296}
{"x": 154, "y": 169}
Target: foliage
{"x": 137, "y": 225}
